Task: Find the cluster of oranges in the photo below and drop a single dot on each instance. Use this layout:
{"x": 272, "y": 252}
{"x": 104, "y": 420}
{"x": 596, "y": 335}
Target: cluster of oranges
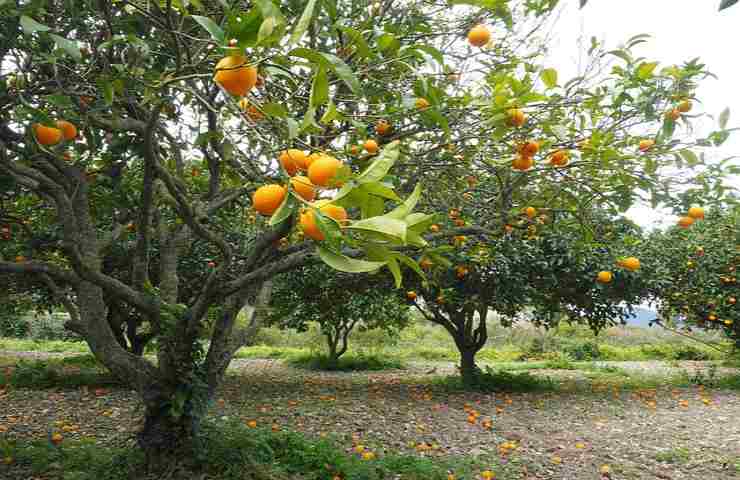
{"x": 676, "y": 112}
{"x": 48, "y": 136}
{"x": 694, "y": 214}
{"x": 630, "y": 263}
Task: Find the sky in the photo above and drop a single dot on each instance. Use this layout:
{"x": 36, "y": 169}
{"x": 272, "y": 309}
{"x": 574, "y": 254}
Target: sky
{"x": 680, "y": 30}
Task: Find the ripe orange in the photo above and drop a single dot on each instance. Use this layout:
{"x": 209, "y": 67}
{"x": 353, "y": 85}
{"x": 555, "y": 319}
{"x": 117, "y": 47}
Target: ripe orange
{"x": 234, "y": 76}
{"x": 604, "y": 277}
{"x": 411, "y": 295}
{"x": 323, "y": 170}
{"x": 454, "y": 213}
{"x": 728, "y": 322}
{"x": 479, "y": 36}
{"x": 20, "y": 259}
{"x": 383, "y": 127}
{"x": 57, "y": 438}
{"x": 516, "y": 117}
{"x": 685, "y": 106}
{"x": 697, "y": 213}
{"x": 252, "y": 112}
{"x": 312, "y": 158}
{"x": 712, "y": 317}
{"x": 308, "y": 220}
{"x": 732, "y": 300}
{"x": 685, "y": 222}
{"x": 268, "y": 198}
{"x": 434, "y": 228}
{"x": 487, "y": 475}
{"x": 459, "y": 222}
{"x": 646, "y": 145}
{"x": 421, "y": 103}
{"x": 47, "y": 135}
{"x": 293, "y": 159}
{"x": 354, "y": 149}
{"x": 559, "y": 158}
{"x": 371, "y": 146}
{"x": 673, "y": 114}
{"x": 303, "y": 187}
{"x": 631, "y": 263}
{"x": 531, "y": 212}
{"x": 528, "y": 149}
{"x": 461, "y": 271}
{"x": 426, "y": 264}
{"x": 252, "y": 424}
{"x": 336, "y": 212}
{"x": 69, "y": 130}
{"x": 522, "y": 163}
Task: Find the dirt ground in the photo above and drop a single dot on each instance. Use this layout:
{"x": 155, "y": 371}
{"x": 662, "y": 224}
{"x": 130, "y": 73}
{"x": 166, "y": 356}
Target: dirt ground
{"x": 569, "y": 434}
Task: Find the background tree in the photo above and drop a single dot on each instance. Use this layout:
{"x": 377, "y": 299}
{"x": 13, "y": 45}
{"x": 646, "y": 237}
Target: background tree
{"x": 695, "y": 279}
{"x": 339, "y": 304}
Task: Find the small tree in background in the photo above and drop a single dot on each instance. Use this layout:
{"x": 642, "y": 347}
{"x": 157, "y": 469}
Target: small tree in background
{"x": 339, "y": 304}
{"x": 695, "y": 279}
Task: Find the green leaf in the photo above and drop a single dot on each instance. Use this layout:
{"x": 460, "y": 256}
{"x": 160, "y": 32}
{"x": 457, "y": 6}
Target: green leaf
{"x": 330, "y": 114}
{"x": 690, "y": 157}
{"x": 724, "y": 117}
{"x": 377, "y": 170}
{"x": 412, "y": 264}
{"x": 380, "y": 190}
{"x": 403, "y": 210}
{"x": 343, "y": 263}
{"x": 431, "y": 51}
{"x": 107, "y": 89}
{"x": 32, "y": 26}
{"x": 646, "y": 69}
{"x": 266, "y": 29}
{"x": 293, "y": 128}
{"x": 419, "y": 222}
{"x": 275, "y": 110}
{"x": 68, "y": 46}
{"x": 395, "y": 270}
{"x": 284, "y": 211}
{"x": 388, "y": 43}
{"x": 344, "y": 72}
{"x": 549, "y": 77}
{"x": 320, "y": 88}
{"x": 727, "y": 4}
{"x": 383, "y": 225}
{"x": 363, "y": 50}
{"x": 211, "y": 27}
{"x": 303, "y": 22}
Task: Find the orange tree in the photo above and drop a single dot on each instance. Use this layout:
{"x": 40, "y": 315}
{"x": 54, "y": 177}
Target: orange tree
{"x": 338, "y": 303}
{"x": 545, "y": 278}
{"x": 695, "y": 277}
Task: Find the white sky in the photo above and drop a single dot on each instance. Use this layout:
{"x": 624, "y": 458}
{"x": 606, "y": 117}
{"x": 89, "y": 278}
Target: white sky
{"x": 681, "y": 30}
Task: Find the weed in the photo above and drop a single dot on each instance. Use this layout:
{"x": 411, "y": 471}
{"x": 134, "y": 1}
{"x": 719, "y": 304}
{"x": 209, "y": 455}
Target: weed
{"x": 346, "y": 363}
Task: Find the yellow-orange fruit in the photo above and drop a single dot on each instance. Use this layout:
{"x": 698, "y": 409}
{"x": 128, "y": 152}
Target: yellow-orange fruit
{"x": 311, "y": 228}
{"x": 292, "y": 160}
{"x": 234, "y": 76}
{"x": 383, "y": 127}
{"x": 323, "y": 170}
{"x": 631, "y": 263}
{"x": 479, "y": 36}
{"x": 531, "y": 212}
{"x": 604, "y": 277}
{"x": 685, "y": 222}
{"x": 268, "y": 198}
{"x": 646, "y": 145}
{"x": 69, "y": 130}
{"x": 685, "y": 106}
{"x": 522, "y": 163}
{"x": 303, "y": 187}
{"x": 516, "y": 117}
{"x": 559, "y": 158}
{"x": 673, "y": 114}
{"x": 697, "y": 213}
{"x": 371, "y": 146}
{"x": 529, "y": 149}
{"x": 47, "y": 135}
{"x": 421, "y": 103}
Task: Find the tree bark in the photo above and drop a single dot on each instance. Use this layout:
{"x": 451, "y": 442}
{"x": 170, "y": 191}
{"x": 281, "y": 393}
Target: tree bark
{"x": 468, "y": 368}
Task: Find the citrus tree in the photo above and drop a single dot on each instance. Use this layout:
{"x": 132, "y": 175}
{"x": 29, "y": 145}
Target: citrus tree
{"x": 546, "y": 278}
{"x": 338, "y": 303}
{"x": 695, "y": 279}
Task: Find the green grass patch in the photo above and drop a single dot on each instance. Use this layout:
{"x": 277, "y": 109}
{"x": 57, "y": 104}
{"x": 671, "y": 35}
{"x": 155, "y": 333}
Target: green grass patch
{"x": 492, "y": 380}
{"x": 64, "y": 373}
{"x": 28, "y": 345}
{"x": 230, "y": 451}
{"x": 674, "y": 455}
{"x": 346, "y": 363}
{"x": 265, "y": 351}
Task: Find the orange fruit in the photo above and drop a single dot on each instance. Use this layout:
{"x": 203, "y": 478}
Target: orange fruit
{"x": 426, "y": 264}
{"x": 354, "y": 149}
{"x": 323, "y": 170}
{"x": 646, "y": 145}
{"x": 685, "y": 222}
{"x": 308, "y": 220}
{"x": 530, "y": 212}
{"x": 411, "y": 295}
{"x": 487, "y": 475}
{"x": 312, "y": 158}
{"x": 57, "y": 438}
{"x": 47, "y": 135}
{"x": 685, "y": 106}
{"x": 234, "y": 76}
{"x": 604, "y": 277}
{"x": 371, "y": 146}
{"x": 673, "y": 114}
{"x": 69, "y": 130}
{"x": 336, "y": 212}
{"x": 516, "y": 117}
{"x": 631, "y": 263}
{"x": 252, "y": 112}
{"x": 268, "y": 198}
{"x": 479, "y": 36}
{"x": 421, "y": 103}
{"x": 383, "y": 127}
{"x": 20, "y": 259}
{"x": 559, "y": 158}
{"x": 303, "y": 187}
{"x": 697, "y": 213}
{"x": 528, "y": 149}
{"x": 732, "y": 300}
{"x": 293, "y": 159}
{"x": 522, "y": 163}
{"x": 434, "y": 228}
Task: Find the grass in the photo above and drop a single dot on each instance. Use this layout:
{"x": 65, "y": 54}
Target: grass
{"x": 346, "y": 363}
{"x": 30, "y": 345}
{"x": 500, "y": 381}
{"x": 231, "y": 451}
{"x": 675, "y": 455}
{"x": 71, "y": 372}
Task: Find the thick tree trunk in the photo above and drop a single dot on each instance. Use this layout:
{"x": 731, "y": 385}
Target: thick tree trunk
{"x": 468, "y": 368}
{"x": 168, "y": 440}
{"x": 332, "y": 342}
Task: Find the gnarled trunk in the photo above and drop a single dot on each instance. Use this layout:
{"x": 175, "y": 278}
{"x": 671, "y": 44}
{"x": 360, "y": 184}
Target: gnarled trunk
{"x": 468, "y": 369}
